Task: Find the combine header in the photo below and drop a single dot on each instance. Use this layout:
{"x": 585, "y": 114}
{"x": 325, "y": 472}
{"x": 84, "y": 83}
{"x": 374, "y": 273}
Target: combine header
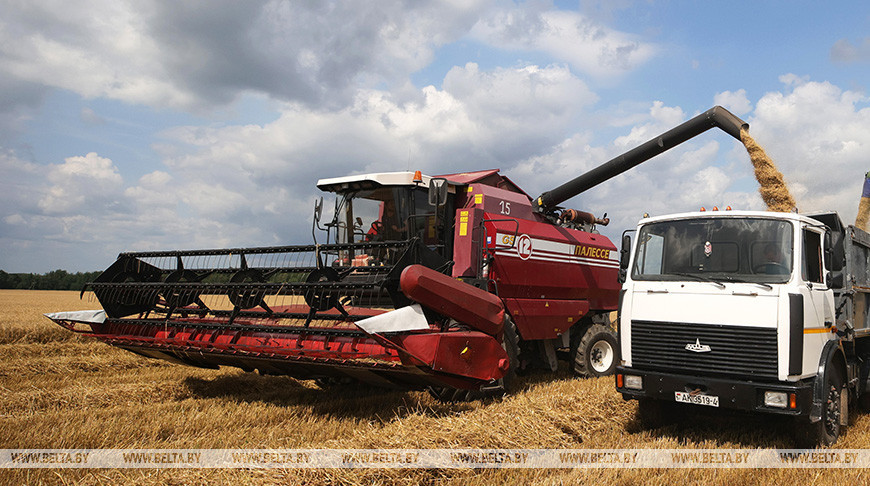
{"x": 450, "y": 283}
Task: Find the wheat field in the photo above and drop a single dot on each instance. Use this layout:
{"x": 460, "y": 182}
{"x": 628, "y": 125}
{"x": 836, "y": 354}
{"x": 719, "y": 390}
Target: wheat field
{"x": 62, "y": 390}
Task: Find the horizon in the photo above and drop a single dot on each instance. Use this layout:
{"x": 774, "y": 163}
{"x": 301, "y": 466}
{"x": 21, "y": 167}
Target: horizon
{"x": 149, "y": 125}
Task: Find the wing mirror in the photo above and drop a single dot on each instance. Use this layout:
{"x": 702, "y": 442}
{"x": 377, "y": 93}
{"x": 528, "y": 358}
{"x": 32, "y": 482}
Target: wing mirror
{"x": 624, "y": 256}
{"x": 437, "y": 191}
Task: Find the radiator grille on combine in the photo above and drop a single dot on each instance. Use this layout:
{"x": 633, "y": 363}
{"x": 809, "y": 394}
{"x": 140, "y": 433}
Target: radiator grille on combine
{"x": 714, "y": 350}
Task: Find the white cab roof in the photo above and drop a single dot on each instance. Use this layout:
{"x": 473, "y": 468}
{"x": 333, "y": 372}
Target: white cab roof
{"x": 370, "y": 181}
{"x": 733, "y": 214}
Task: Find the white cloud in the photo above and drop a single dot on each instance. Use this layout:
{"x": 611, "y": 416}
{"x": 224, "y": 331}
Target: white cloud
{"x": 736, "y": 102}
{"x": 660, "y": 119}
{"x": 14, "y": 219}
{"x": 196, "y": 55}
{"x": 478, "y": 120}
{"x": 845, "y": 52}
{"x": 588, "y": 46}
{"x": 81, "y": 181}
{"x": 817, "y": 134}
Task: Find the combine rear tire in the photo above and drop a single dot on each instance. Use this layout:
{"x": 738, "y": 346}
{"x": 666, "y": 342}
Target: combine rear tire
{"x": 500, "y": 387}
{"x": 597, "y": 352}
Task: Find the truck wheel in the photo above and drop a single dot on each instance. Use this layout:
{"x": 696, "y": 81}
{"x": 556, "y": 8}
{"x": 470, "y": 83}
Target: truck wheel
{"x": 597, "y": 353}
{"x": 510, "y": 343}
{"x": 826, "y": 431}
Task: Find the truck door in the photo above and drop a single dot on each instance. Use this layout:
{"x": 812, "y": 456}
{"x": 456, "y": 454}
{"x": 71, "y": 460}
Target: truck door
{"x": 818, "y": 300}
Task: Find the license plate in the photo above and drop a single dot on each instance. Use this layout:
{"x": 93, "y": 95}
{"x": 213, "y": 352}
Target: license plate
{"x": 708, "y": 400}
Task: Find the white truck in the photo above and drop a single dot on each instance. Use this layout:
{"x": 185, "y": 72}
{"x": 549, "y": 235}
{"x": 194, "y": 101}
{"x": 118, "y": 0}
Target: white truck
{"x": 757, "y": 311}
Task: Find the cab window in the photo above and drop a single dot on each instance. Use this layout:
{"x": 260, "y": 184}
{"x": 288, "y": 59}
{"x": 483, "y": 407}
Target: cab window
{"x": 811, "y": 263}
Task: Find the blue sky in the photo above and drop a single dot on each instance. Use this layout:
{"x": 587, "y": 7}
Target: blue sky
{"x": 132, "y": 125}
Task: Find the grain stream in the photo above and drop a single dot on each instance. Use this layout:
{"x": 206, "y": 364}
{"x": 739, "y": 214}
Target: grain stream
{"x": 773, "y": 190}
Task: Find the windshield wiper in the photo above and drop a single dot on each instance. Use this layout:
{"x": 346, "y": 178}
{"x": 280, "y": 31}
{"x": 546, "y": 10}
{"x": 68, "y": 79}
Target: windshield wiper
{"x": 701, "y": 278}
{"x": 740, "y": 280}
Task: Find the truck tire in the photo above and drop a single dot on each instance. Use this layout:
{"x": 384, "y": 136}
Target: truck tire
{"x": 826, "y": 431}
{"x": 502, "y": 386}
{"x": 597, "y": 352}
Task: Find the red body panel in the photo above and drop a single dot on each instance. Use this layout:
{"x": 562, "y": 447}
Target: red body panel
{"x": 453, "y": 298}
{"x": 549, "y": 276}
{"x": 548, "y": 262}
{"x": 469, "y": 354}
{"x": 545, "y": 318}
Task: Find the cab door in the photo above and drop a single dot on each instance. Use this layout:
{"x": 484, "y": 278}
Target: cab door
{"x": 818, "y": 299}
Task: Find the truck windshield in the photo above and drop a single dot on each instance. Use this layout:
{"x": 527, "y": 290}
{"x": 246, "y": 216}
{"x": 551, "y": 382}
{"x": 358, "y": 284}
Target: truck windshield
{"x": 715, "y": 249}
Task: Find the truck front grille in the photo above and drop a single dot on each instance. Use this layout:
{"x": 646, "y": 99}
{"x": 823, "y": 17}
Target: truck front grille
{"x": 734, "y": 351}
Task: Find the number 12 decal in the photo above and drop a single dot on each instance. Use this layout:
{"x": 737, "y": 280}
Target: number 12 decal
{"x": 524, "y": 247}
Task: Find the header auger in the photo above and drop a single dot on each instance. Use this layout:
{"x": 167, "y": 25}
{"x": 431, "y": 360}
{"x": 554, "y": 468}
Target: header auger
{"x": 450, "y": 283}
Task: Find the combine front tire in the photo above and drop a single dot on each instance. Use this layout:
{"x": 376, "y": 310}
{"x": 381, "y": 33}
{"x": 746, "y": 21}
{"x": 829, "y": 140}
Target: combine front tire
{"x": 597, "y": 352}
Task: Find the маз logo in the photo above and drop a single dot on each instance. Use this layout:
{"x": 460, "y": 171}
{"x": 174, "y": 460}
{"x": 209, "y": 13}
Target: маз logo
{"x": 698, "y": 347}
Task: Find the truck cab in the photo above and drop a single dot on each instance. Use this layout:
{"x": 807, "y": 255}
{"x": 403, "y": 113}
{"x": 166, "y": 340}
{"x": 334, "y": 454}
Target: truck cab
{"x": 734, "y": 309}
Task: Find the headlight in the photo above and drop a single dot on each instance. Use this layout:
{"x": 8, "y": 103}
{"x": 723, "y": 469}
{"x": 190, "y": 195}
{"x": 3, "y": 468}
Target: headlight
{"x": 776, "y": 399}
{"x": 634, "y": 382}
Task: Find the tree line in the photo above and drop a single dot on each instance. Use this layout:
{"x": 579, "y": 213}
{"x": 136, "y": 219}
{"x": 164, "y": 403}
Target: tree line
{"x": 54, "y": 280}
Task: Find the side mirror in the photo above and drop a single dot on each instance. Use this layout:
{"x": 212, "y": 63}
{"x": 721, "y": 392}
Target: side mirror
{"x": 624, "y": 256}
{"x": 829, "y": 249}
{"x": 437, "y": 191}
{"x": 318, "y": 209}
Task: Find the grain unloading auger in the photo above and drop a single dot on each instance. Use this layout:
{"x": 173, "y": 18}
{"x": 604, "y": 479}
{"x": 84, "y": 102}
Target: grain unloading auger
{"x": 450, "y": 283}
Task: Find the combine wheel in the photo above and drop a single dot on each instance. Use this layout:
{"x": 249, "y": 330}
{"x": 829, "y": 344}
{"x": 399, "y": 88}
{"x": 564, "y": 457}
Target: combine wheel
{"x": 597, "y": 352}
{"x": 510, "y": 343}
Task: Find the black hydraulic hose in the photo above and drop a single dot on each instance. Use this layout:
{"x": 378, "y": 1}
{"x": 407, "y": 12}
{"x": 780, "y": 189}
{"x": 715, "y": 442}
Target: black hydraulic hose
{"x": 714, "y": 117}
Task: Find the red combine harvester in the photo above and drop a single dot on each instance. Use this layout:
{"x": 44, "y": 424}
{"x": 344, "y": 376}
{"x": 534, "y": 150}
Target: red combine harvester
{"x": 449, "y": 283}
